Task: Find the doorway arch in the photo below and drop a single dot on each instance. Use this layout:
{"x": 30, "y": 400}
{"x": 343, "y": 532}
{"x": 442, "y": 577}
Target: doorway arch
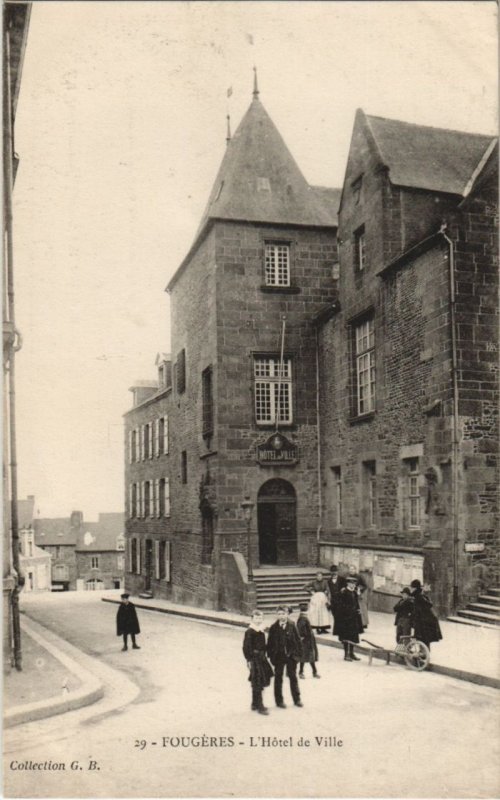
{"x": 277, "y": 522}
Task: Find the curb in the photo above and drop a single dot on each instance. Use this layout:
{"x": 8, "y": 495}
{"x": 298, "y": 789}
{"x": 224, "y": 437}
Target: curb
{"x": 91, "y": 690}
{"x": 208, "y": 616}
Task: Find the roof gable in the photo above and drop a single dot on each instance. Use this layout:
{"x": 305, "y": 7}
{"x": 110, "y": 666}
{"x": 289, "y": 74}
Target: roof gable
{"x": 423, "y": 157}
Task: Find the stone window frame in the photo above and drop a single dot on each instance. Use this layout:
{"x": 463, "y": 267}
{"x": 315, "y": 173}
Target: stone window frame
{"x": 338, "y": 485}
{"x": 359, "y": 244}
{"x": 289, "y": 381}
{"x": 285, "y": 288}
{"x": 357, "y": 359}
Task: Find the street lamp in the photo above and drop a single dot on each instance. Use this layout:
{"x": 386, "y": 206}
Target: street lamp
{"x": 247, "y": 507}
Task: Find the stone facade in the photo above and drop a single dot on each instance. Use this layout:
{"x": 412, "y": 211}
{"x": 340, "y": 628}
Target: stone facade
{"x": 395, "y": 479}
{"x": 415, "y": 474}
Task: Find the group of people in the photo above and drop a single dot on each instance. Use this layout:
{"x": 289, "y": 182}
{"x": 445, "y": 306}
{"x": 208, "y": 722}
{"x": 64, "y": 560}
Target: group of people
{"x": 290, "y": 644}
{"x": 414, "y": 612}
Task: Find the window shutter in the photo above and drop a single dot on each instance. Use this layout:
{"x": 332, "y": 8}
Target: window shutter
{"x": 130, "y": 447}
{"x": 129, "y": 555}
{"x": 167, "y": 562}
{"x": 158, "y": 504}
{"x": 167, "y": 497}
{"x": 157, "y": 437}
{"x": 138, "y": 557}
{"x": 151, "y": 441}
{"x": 157, "y": 559}
{"x": 130, "y": 496}
{"x": 165, "y": 435}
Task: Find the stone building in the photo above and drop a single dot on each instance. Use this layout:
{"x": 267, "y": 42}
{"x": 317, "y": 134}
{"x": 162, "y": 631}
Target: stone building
{"x": 242, "y": 404}
{"x": 58, "y": 537}
{"x": 324, "y": 404}
{"x": 408, "y": 359}
{"x": 100, "y": 548}
{"x": 35, "y": 563}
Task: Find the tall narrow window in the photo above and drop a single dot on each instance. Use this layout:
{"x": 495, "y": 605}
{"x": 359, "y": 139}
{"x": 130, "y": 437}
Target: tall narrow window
{"x": 164, "y": 437}
{"x": 337, "y": 478}
{"x": 277, "y": 267}
{"x": 166, "y": 497}
{"x": 413, "y": 493}
{"x": 370, "y": 481}
{"x": 365, "y": 366}
{"x": 207, "y": 403}
{"x": 360, "y": 248}
{"x": 273, "y": 390}
{"x": 95, "y": 562}
{"x": 184, "y": 467}
{"x": 181, "y": 372}
{"x": 161, "y": 559}
{"x": 147, "y": 498}
{"x": 138, "y": 563}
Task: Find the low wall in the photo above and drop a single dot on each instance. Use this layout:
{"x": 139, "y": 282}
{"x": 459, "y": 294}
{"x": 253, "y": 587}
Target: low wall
{"x": 236, "y": 592}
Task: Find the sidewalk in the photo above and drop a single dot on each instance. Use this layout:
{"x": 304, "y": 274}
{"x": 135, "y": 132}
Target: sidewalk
{"x": 50, "y": 683}
{"x": 466, "y": 652}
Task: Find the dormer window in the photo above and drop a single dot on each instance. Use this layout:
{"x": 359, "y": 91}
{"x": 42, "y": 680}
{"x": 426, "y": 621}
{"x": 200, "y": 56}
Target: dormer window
{"x": 263, "y": 185}
{"x": 277, "y": 264}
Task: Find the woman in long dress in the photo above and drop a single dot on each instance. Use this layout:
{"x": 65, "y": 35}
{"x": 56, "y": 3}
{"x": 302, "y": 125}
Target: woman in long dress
{"x": 319, "y": 616}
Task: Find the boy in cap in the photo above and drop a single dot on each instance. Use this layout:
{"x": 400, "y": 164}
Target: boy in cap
{"x": 254, "y": 650}
{"x": 127, "y": 622}
{"x": 308, "y": 641}
{"x": 404, "y": 614}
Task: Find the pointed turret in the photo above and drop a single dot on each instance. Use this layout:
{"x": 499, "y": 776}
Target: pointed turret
{"x": 259, "y": 181}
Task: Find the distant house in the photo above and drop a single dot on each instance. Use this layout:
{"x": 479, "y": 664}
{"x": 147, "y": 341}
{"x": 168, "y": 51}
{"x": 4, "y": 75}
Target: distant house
{"x": 34, "y": 562}
{"x": 100, "y": 553}
{"x": 59, "y": 537}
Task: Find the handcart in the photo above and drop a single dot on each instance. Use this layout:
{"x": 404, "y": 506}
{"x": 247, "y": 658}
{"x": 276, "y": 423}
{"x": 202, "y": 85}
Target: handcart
{"x": 415, "y": 654}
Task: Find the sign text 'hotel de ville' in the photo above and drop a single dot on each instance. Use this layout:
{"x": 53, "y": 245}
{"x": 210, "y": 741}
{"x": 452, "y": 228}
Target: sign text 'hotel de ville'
{"x": 277, "y": 450}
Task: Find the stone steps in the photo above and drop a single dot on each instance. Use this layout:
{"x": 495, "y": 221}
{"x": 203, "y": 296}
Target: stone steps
{"x": 485, "y": 611}
{"x": 275, "y": 588}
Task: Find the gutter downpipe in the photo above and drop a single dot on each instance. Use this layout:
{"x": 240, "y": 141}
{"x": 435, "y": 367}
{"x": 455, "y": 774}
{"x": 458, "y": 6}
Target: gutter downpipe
{"x": 14, "y": 346}
{"x": 455, "y": 442}
{"x": 318, "y": 428}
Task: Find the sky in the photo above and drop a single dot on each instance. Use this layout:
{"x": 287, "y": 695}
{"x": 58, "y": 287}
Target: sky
{"x": 121, "y": 127}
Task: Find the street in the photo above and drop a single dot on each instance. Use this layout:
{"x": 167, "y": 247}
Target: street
{"x": 373, "y": 731}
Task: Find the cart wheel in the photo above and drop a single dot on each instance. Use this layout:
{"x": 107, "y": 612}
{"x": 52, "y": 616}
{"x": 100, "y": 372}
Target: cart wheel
{"x": 417, "y": 655}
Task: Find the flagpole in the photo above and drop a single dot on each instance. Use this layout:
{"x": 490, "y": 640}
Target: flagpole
{"x": 280, "y": 369}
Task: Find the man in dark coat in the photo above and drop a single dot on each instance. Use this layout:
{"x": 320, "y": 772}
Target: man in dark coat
{"x": 335, "y": 585}
{"x": 127, "y": 622}
{"x": 348, "y": 623}
{"x": 425, "y": 622}
{"x": 284, "y": 650}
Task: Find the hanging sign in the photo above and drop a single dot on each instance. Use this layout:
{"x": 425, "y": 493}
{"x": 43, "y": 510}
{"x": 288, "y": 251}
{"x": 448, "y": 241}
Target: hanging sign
{"x": 277, "y": 450}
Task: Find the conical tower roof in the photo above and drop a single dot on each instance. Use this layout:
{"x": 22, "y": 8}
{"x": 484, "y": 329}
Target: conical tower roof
{"x": 259, "y": 181}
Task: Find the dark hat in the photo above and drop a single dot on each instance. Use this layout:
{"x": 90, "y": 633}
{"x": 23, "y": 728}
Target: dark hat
{"x": 290, "y": 609}
{"x": 405, "y": 590}
{"x": 303, "y": 606}
{"x": 334, "y": 568}
{"x": 125, "y": 596}
{"x": 416, "y": 584}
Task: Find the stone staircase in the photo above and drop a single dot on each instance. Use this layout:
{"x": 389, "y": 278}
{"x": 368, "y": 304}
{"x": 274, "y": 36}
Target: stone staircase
{"x": 277, "y": 586}
{"x": 485, "y": 611}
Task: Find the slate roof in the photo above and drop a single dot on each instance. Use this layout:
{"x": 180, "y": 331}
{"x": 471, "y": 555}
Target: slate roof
{"x": 96, "y": 537}
{"x": 54, "y": 532}
{"x": 259, "y": 181}
{"x": 25, "y": 510}
{"x": 423, "y": 157}
{"x": 329, "y": 199}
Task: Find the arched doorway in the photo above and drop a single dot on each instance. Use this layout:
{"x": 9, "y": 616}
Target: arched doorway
{"x": 277, "y": 522}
